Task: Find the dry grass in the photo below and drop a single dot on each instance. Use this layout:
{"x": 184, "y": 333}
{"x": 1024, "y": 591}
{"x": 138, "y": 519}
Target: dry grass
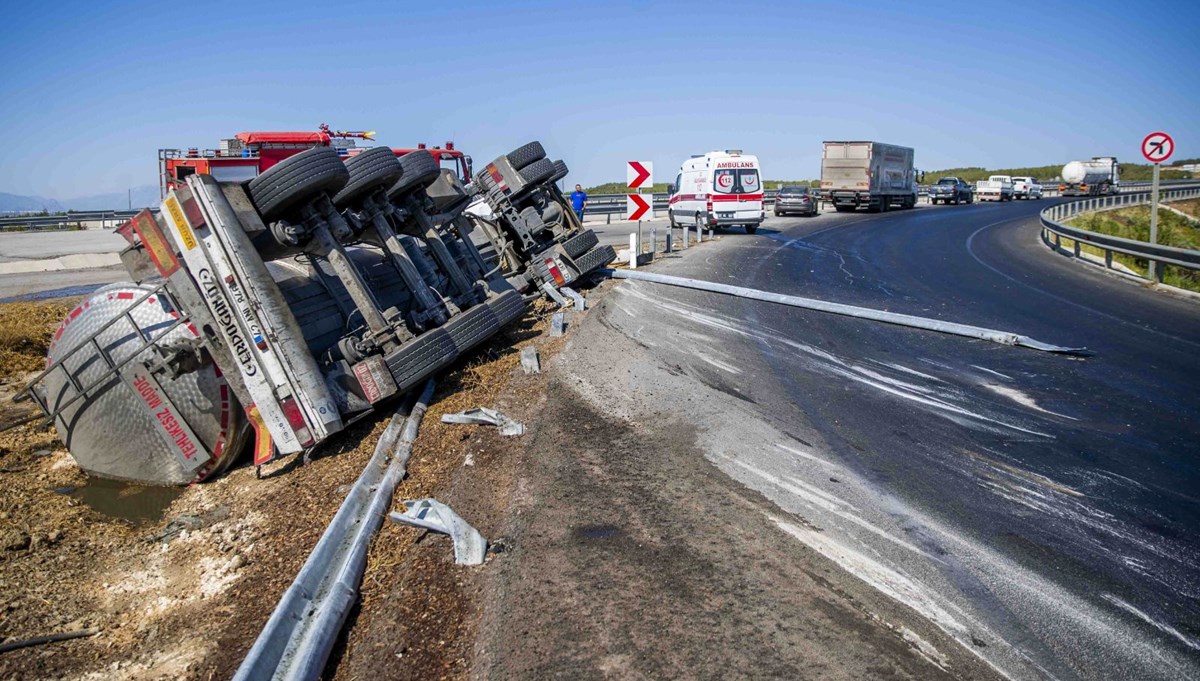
{"x": 1191, "y": 207}
{"x": 25, "y": 332}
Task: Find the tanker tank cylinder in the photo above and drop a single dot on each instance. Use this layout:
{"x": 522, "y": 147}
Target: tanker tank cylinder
{"x": 165, "y": 417}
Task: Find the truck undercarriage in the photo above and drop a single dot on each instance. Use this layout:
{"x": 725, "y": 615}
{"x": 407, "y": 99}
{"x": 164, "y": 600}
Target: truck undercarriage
{"x": 283, "y": 308}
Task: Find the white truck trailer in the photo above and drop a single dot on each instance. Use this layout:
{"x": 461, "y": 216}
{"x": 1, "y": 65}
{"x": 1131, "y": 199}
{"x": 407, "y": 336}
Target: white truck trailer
{"x": 1099, "y": 176}
{"x": 871, "y": 175}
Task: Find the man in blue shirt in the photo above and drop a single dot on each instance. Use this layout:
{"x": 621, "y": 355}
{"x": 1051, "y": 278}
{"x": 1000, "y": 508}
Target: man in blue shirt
{"x": 578, "y": 201}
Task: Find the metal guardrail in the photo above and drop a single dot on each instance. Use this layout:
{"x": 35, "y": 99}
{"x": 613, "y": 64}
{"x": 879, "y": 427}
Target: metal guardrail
{"x": 116, "y": 217}
{"x": 1053, "y": 217}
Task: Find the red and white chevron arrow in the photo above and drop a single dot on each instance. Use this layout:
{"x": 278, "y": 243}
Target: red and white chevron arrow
{"x": 639, "y": 174}
{"x": 638, "y": 207}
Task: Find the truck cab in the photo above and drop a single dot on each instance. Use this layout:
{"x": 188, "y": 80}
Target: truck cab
{"x": 718, "y": 189}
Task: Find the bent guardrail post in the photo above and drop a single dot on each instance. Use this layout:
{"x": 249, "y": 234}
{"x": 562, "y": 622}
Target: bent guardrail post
{"x": 953, "y": 328}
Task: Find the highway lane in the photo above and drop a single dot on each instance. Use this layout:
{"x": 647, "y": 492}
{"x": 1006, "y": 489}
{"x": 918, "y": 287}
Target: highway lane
{"x": 1048, "y": 501}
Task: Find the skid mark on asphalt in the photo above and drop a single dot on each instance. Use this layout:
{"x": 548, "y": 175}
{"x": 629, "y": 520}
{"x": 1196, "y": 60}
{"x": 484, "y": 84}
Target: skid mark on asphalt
{"x": 1022, "y": 399}
{"x": 889, "y": 580}
{"x": 1095, "y": 531}
{"x": 817, "y": 499}
{"x": 1166, "y": 629}
{"x": 806, "y": 455}
{"x": 935, "y": 397}
{"x": 997, "y": 373}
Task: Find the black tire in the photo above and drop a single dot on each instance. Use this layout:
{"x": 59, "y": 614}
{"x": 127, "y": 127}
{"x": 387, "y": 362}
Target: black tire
{"x": 419, "y": 168}
{"x": 472, "y": 327}
{"x": 580, "y": 243}
{"x": 296, "y": 180}
{"x": 844, "y": 209}
{"x": 671, "y": 218}
{"x": 538, "y": 172}
{"x": 957, "y": 199}
{"x": 594, "y": 259}
{"x": 750, "y": 229}
{"x": 525, "y": 155}
{"x": 560, "y": 171}
{"x": 777, "y": 213}
{"x": 373, "y": 169}
{"x": 421, "y": 357}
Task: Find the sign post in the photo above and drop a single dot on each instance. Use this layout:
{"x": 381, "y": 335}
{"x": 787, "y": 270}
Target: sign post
{"x": 638, "y": 174}
{"x": 1157, "y": 147}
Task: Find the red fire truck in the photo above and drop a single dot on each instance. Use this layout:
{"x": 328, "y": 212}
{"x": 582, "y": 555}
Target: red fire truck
{"x": 247, "y": 154}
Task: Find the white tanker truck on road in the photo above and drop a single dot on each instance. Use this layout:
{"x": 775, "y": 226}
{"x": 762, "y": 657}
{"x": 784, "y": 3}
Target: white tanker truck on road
{"x": 1097, "y": 177}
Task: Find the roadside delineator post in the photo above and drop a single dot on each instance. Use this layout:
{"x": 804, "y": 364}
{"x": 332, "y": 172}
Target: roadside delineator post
{"x": 634, "y": 250}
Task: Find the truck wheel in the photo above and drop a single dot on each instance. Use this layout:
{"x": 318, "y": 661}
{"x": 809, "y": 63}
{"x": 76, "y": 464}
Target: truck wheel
{"x": 373, "y": 169}
{"x": 525, "y": 155}
{"x": 596, "y": 258}
{"x": 580, "y": 243}
{"x": 420, "y": 169}
{"x": 537, "y": 172}
{"x": 297, "y": 180}
{"x": 671, "y": 219}
{"x": 844, "y": 209}
{"x": 560, "y": 171}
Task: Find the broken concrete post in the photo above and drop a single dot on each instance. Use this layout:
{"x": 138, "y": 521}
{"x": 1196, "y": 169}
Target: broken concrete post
{"x": 530, "y": 362}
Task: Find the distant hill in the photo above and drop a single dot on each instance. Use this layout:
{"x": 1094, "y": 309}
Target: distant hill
{"x": 142, "y": 197}
{"x": 16, "y": 203}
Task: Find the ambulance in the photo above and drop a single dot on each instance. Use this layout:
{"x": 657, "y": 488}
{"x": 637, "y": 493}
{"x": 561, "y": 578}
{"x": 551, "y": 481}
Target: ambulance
{"x": 718, "y": 189}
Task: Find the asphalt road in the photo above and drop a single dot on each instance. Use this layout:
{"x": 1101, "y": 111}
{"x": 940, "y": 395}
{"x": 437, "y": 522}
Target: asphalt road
{"x": 1043, "y": 509}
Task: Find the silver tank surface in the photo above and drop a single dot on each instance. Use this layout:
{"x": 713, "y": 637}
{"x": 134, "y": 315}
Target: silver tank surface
{"x": 1088, "y": 172}
{"x": 111, "y": 433}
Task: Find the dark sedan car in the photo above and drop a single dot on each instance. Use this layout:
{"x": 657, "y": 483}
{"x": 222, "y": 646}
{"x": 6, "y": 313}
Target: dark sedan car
{"x": 799, "y": 200}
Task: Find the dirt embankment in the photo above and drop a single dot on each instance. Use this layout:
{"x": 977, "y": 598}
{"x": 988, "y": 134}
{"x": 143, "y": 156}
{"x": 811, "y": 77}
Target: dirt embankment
{"x": 185, "y": 596}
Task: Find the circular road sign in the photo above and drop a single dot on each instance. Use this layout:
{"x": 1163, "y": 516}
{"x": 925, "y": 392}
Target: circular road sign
{"x": 1158, "y": 147}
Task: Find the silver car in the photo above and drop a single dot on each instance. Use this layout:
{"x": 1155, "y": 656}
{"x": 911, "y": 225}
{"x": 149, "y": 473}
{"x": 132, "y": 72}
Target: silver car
{"x": 795, "y": 199}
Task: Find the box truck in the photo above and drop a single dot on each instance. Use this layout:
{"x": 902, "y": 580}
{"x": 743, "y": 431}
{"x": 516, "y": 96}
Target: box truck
{"x": 871, "y": 175}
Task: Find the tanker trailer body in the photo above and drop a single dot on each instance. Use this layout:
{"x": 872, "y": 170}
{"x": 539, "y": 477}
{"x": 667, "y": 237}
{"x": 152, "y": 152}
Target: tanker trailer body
{"x": 1099, "y": 176}
{"x": 279, "y": 310}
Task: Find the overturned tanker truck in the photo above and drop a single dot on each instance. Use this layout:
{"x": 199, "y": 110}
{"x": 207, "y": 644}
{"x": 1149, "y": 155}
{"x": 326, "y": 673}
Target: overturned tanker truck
{"x": 275, "y": 310}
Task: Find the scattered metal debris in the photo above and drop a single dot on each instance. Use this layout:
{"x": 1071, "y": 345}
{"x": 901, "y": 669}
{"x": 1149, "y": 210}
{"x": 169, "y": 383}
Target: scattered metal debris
{"x": 482, "y": 416}
{"x": 554, "y": 294}
{"x": 430, "y": 514}
{"x": 530, "y": 362}
{"x": 580, "y": 301}
{"x": 558, "y": 324}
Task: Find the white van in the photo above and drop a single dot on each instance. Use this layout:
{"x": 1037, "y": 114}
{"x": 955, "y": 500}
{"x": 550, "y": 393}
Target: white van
{"x": 720, "y": 188}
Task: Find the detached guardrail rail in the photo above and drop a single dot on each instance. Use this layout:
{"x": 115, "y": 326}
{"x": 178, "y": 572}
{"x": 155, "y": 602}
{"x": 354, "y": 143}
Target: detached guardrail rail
{"x": 1053, "y": 217}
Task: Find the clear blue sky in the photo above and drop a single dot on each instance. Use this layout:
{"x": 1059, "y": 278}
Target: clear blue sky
{"x": 89, "y": 92}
